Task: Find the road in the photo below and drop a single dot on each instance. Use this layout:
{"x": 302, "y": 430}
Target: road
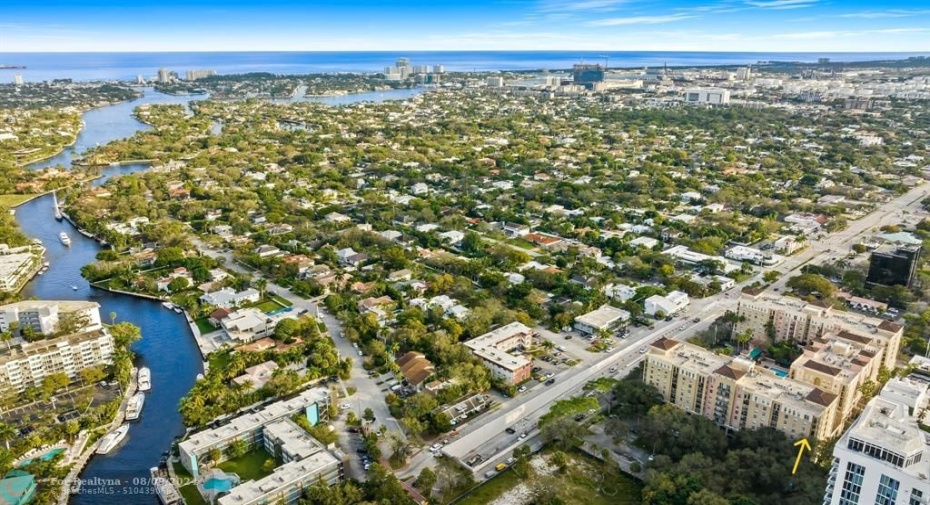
{"x": 368, "y": 393}
{"x": 490, "y": 440}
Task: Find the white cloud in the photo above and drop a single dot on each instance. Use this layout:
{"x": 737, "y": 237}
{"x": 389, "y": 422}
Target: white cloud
{"x": 891, "y": 13}
{"x": 781, "y": 4}
{"x": 830, "y": 34}
{"x": 579, "y": 5}
{"x": 640, "y": 20}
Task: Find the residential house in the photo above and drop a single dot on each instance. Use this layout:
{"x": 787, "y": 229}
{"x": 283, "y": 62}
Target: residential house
{"x": 415, "y": 368}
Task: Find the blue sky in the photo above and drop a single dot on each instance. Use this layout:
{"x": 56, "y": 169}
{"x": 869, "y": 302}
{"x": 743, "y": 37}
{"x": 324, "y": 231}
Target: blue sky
{"x": 310, "y": 25}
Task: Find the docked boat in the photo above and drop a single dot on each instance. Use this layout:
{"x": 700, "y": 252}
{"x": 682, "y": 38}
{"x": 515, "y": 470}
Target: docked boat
{"x": 177, "y": 309}
{"x": 58, "y": 215}
{"x": 165, "y": 491}
{"x": 167, "y": 305}
{"x": 112, "y": 439}
{"x": 145, "y": 379}
{"x": 134, "y": 407}
{"x": 64, "y": 238}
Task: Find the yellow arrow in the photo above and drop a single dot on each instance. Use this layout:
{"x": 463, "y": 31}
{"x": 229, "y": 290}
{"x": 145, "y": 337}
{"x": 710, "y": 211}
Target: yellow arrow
{"x": 802, "y": 445}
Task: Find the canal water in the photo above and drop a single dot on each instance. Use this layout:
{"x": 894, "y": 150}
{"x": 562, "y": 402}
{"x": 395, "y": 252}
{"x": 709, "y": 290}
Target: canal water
{"x": 167, "y": 346}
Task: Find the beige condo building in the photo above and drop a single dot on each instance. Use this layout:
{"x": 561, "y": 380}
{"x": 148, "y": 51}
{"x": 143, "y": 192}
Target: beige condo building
{"x": 804, "y": 322}
{"x": 737, "y": 394}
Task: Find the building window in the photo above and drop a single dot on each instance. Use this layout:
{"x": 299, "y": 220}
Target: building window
{"x": 887, "y": 491}
{"x": 916, "y": 497}
{"x": 852, "y": 484}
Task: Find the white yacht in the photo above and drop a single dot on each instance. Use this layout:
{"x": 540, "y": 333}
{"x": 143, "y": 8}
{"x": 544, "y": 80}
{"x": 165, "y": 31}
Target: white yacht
{"x": 134, "y": 407}
{"x": 65, "y": 239}
{"x": 166, "y": 492}
{"x": 112, "y": 439}
{"x": 167, "y": 305}
{"x": 145, "y": 379}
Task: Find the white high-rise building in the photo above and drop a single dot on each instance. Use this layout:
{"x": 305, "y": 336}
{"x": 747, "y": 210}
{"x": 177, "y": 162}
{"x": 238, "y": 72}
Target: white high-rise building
{"x": 18, "y": 80}
{"x": 193, "y": 75}
{"x": 743, "y": 74}
{"x": 439, "y": 69}
{"x": 884, "y": 458}
{"x": 140, "y": 80}
{"x": 164, "y": 76}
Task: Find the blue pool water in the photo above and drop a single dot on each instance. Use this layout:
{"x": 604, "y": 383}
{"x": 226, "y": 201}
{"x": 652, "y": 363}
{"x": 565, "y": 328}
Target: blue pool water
{"x": 45, "y": 457}
{"x": 219, "y": 485}
{"x": 780, "y": 373}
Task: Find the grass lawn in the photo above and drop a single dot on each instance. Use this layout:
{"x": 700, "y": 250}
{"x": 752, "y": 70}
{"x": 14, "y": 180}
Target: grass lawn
{"x": 7, "y": 201}
{"x": 189, "y": 492}
{"x": 203, "y": 324}
{"x": 282, "y": 301}
{"x": 267, "y": 306}
{"x": 191, "y": 495}
{"x": 522, "y": 243}
{"x": 248, "y": 466}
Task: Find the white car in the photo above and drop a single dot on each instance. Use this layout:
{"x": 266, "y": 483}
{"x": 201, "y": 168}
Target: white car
{"x": 360, "y": 352}
{"x": 522, "y": 389}
{"x": 345, "y": 406}
{"x": 355, "y": 345}
{"x": 522, "y": 436}
{"x": 550, "y": 375}
{"x": 435, "y": 447}
{"x": 642, "y": 350}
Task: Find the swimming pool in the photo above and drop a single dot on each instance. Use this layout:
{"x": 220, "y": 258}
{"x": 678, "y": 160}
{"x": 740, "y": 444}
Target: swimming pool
{"x": 45, "y": 457}
{"x": 219, "y": 484}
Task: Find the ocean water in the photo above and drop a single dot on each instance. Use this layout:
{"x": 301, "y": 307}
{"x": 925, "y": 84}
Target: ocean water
{"x": 126, "y": 66}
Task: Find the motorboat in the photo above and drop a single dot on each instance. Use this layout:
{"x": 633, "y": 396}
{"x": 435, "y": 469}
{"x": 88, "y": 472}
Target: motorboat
{"x": 134, "y": 407}
{"x": 145, "y": 379}
{"x": 112, "y": 439}
{"x": 167, "y": 305}
{"x": 64, "y": 238}
{"x": 165, "y": 491}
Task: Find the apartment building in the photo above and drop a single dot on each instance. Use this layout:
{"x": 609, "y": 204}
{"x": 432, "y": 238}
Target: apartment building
{"x": 840, "y": 363}
{"x": 800, "y": 321}
{"x": 736, "y": 393}
{"x": 884, "y": 458}
{"x": 494, "y": 349}
{"x": 27, "y": 364}
{"x": 251, "y": 427}
{"x": 305, "y": 463}
{"x": 43, "y": 316}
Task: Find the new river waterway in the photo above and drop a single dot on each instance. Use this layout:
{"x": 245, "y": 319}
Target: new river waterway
{"x": 167, "y": 347}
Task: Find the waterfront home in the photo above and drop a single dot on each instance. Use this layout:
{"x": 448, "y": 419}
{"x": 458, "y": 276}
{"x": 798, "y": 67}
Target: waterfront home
{"x": 228, "y": 297}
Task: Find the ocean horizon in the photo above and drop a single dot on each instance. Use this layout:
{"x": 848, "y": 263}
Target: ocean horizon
{"x": 129, "y": 65}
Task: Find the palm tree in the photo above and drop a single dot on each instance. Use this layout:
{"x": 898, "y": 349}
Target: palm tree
{"x": 260, "y": 284}
{"x": 7, "y": 432}
{"x": 112, "y": 318}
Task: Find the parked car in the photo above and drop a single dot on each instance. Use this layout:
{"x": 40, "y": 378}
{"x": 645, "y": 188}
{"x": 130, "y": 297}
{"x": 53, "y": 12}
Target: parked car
{"x": 522, "y": 389}
{"x": 510, "y": 431}
{"x": 550, "y": 382}
{"x": 500, "y": 466}
{"x": 522, "y": 436}
{"x": 568, "y": 337}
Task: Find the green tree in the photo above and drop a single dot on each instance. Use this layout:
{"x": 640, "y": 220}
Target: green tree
{"x": 425, "y": 482}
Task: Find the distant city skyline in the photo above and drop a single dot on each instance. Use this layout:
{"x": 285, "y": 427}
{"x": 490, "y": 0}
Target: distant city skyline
{"x": 364, "y": 25}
